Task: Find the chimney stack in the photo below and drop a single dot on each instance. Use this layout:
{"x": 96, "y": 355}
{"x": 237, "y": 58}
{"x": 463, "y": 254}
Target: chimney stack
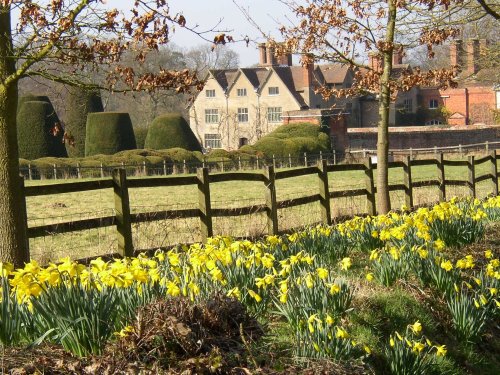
{"x": 456, "y": 53}
{"x": 375, "y": 62}
{"x": 262, "y": 54}
{"x": 397, "y": 55}
{"x": 473, "y": 56}
{"x": 271, "y": 59}
{"x": 285, "y": 59}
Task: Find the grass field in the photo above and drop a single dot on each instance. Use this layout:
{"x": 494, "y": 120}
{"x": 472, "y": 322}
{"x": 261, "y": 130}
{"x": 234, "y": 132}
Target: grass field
{"x": 83, "y": 205}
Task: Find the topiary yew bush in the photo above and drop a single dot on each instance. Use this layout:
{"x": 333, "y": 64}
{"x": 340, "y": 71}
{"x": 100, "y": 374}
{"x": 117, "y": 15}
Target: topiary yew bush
{"x": 140, "y": 136}
{"x": 79, "y": 104}
{"x": 36, "y": 134}
{"x": 169, "y": 131}
{"x": 31, "y": 98}
{"x": 109, "y": 133}
{"x": 292, "y": 139}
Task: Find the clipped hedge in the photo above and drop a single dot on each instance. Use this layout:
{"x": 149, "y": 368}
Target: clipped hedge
{"x": 140, "y": 136}
{"x": 79, "y": 104}
{"x": 36, "y": 121}
{"x": 31, "y": 98}
{"x": 292, "y": 139}
{"x": 169, "y": 131}
{"x": 109, "y": 133}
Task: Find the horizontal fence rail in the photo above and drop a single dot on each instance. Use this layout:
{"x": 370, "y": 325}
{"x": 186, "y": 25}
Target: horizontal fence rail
{"x": 42, "y": 170}
{"x": 123, "y": 218}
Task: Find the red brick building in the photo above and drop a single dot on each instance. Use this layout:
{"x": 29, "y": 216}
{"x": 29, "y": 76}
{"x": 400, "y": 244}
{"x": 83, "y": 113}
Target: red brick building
{"x": 475, "y": 99}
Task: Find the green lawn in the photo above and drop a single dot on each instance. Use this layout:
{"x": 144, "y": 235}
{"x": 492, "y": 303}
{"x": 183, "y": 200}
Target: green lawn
{"x": 83, "y": 205}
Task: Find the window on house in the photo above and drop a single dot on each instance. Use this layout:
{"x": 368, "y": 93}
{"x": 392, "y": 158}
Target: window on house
{"x": 242, "y": 114}
{"x": 210, "y": 93}
{"x": 212, "y": 141}
{"x": 243, "y": 142}
{"x": 211, "y": 116}
{"x": 408, "y": 105}
{"x": 434, "y": 122}
{"x": 241, "y": 92}
{"x": 274, "y": 114}
{"x": 274, "y": 90}
{"x": 433, "y": 104}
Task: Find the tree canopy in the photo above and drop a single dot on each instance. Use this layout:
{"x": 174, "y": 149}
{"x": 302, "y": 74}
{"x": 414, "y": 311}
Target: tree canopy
{"x": 62, "y": 41}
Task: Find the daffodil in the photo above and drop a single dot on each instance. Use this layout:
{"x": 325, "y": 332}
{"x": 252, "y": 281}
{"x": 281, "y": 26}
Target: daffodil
{"x": 416, "y": 327}
{"x": 345, "y": 264}
{"x": 441, "y": 350}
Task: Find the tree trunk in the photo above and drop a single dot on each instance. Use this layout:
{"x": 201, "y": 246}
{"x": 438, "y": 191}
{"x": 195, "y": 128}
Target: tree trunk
{"x": 13, "y": 237}
{"x": 383, "y": 198}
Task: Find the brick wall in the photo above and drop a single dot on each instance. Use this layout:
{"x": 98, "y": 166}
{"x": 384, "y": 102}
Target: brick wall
{"x": 475, "y": 103}
{"x": 423, "y": 136}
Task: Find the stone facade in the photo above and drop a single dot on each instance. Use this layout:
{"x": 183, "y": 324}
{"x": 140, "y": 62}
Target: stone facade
{"x": 239, "y": 106}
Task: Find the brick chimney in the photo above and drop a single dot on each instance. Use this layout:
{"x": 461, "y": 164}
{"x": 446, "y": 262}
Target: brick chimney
{"x": 285, "y": 59}
{"x": 397, "y": 55}
{"x": 456, "y": 53}
{"x": 271, "y": 59}
{"x": 473, "y": 56}
{"x": 262, "y": 54}
{"x": 374, "y": 61}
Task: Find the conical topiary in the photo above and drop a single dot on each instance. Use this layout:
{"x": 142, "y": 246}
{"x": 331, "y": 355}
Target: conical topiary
{"x": 79, "y": 104}
{"x": 39, "y": 133}
{"x": 108, "y": 132}
{"x": 169, "y": 131}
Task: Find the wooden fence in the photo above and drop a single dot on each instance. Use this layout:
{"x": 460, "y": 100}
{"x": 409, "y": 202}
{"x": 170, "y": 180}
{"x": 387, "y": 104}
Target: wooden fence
{"x": 123, "y": 218}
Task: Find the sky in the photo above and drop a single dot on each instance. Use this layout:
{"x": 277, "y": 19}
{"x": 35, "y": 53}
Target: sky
{"x": 268, "y": 14}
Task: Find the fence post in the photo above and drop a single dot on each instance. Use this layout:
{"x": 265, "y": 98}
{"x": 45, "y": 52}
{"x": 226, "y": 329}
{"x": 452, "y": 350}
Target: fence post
{"x": 122, "y": 209}
{"x": 494, "y": 172}
{"x": 271, "y": 203}
{"x": 30, "y": 172}
{"x": 305, "y": 159}
{"x": 334, "y": 157}
{"x": 487, "y": 146}
{"x": 258, "y": 166}
{"x": 78, "y": 170}
{"x": 25, "y": 253}
{"x": 203, "y": 163}
{"x": 239, "y": 163}
{"x": 411, "y": 153}
{"x": 274, "y": 162}
{"x": 204, "y": 202}
{"x": 184, "y": 166}
{"x": 370, "y": 188}
{"x": 364, "y": 153}
{"x": 324, "y": 192}
{"x": 222, "y": 164}
{"x": 472, "y": 176}
{"x": 102, "y": 171}
{"x": 164, "y": 167}
{"x": 460, "y": 150}
{"x": 408, "y": 183}
{"x": 441, "y": 178}
{"x": 320, "y": 156}
{"x": 289, "y": 160}
{"x": 144, "y": 168}
{"x": 55, "y": 171}
{"x": 435, "y": 151}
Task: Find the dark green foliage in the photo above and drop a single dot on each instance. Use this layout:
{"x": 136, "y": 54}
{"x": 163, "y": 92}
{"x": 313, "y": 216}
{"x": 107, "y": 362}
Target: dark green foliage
{"x": 140, "y": 136}
{"x": 78, "y": 105}
{"x": 169, "y": 131}
{"x": 293, "y": 139}
{"x": 108, "y": 133}
{"x": 36, "y": 121}
{"x": 179, "y": 155}
{"x": 31, "y": 98}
